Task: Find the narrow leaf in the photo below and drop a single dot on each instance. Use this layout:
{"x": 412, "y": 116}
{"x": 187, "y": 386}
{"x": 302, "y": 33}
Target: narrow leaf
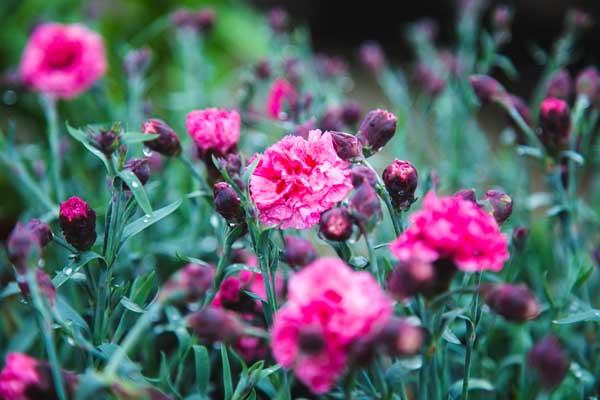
{"x": 202, "y": 362}
{"x": 81, "y": 137}
{"x": 142, "y": 223}
{"x": 588, "y": 315}
{"x": 137, "y": 137}
{"x": 137, "y": 189}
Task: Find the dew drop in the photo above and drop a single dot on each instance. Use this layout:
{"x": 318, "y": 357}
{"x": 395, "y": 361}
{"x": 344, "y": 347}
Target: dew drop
{"x": 68, "y": 271}
{"x": 147, "y": 152}
{"x": 70, "y": 341}
{"x": 134, "y": 184}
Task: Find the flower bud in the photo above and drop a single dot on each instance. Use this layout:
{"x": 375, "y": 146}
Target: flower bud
{"x": 365, "y": 207}
{"x": 486, "y": 88}
{"x": 262, "y": 69}
{"x": 227, "y": 202}
{"x": 516, "y": 303}
{"x": 45, "y": 286}
{"x": 401, "y": 179}
{"x": 41, "y": 230}
{"x": 298, "y": 251}
{"x": 24, "y": 247}
{"x": 500, "y": 203}
{"x": 278, "y": 20}
{"x": 205, "y": 19}
{"x": 351, "y": 113}
{"x": 331, "y": 120}
{"x": 311, "y": 340}
{"x": 200, "y": 21}
{"x": 549, "y": 361}
{"x": 346, "y": 145}
{"x": 376, "y": 129}
{"x": 371, "y": 56}
{"x": 189, "y": 283}
{"x": 336, "y": 224}
{"x": 215, "y": 325}
{"x": 167, "y": 143}
{"x": 140, "y": 168}
{"x": 107, "y": 141}
{"x": 555, "y": 123}
{"x": 502, "y": 17}
{"x": 560, "y": 85}
{"x": 137, "y": 61}
{"x": 409, "y": 279}
{"x": 361, "y": 174}
{"x": 588, "y": 82}
{"x": 467, "y": 194}
{"x": 78, "y": 223}
{"x": 577, "y": 19}
{"x": 401, "y": 338}
{"x": 431, "y": 82}
{"x": 519, "y": 237}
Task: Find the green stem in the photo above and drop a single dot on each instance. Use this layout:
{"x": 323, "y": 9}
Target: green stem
{"x": 44, "y": 325}
{"x": 198, "y": 176}
{"x": 372, "y": 258}
{"x": 49, "y": 106}
{"x": 230, "y": 239}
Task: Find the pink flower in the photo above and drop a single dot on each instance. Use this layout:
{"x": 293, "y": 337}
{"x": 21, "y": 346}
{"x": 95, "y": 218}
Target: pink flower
{"x": 214, "y": 130}
{"x": 329, "y": 308}
{"x": 63, "y": 60}
{"x": 297, "y": 179}
{"x": 455, "y": 229}
{"x": 20, "y": 371}
{"x": 280, "y": 92}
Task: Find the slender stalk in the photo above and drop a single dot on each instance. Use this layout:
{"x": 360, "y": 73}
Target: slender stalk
{"x": 49, "y": 106}
{"x": 372, "y": 258}
{"x": 230, "y": 239}
{"x": 201, "y": 179}
{"x": 45, "y": 328}
{"x": 467, "y": 370}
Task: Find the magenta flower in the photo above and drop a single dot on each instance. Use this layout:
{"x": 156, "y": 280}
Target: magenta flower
{"x": 214, "y": 130}
{"x": 78, "y": 223}
{"x": 281, "y": 93}
{"x": 451, "y": 228}
{"x": 19, "y": 373}
{"x": 297, "y": 179}
{"x": 63, "y": 60}
{"x": 329, "y": 308}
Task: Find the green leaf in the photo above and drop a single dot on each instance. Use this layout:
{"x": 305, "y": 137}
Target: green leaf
{"x": 227, "y": 380}
{"x": 68, "y": 314}
{"x": 131, "y": 306}
{"x": 137, "y": 137}
{"x": 399, "y": 371}
{"x": 455, "y": 391}
{"x": 449, "y": 336}
{"x": 584, "y": 316}
{"x": 81, "y": 137}
{"x": 142, "y": 223}
{"x": 136, "y": 187}
{"x": 202, "y": 362}
{"x": 74, "y": 266}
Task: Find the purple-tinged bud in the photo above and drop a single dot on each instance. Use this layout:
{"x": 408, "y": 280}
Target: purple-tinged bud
{"x": 401, "y": 179}
{"x": 78, "y": 223}
{"x": 167, "y": 143}
{"x": 555, "y": 123}
{"x": 24, "y": 247}
{"x": 502, "y": 17}
{"x": 201, "y": 21}
{"x": 262, "y": 69}
{"x": 346, "y": 145}
{"x": 400, "y": 337}
{"x": 44, "y": 283}
{"x": 365, "y": 207}
{"x": 577, "y": 19}
{"x": 588, "y": 82}
{"x": 331, "y": 66}
{"x": 137, "y": 61}
{"x": 361, "y": 174}
{"x": 205, "y": 19}
{"x": 41, "y": 229}
{"x": 189, "y": 283}
{"x": 519, "y": 237}
{"x": 311, "y": 340}
{"x": 432, "y": 83}
{"x": 304, "y": 128}
{"x": 140, "y": 168}
{"x": 278, "y": 20}
{"x": 409, "y": 279}
{"x": 292, "y": 70}
{"x": 425, "y": 28}
{"x": 516, "y": 303}
{"x": 227, "y": 202}
{"x": 298, "y": 251}
{"x": 487, "y": 89}
{"x": 371, "y": 55}
{"x": 560, "y": 85}
{"x": 376, "y": 129}
{"x": 215, "y": 325}
{"x": 331, "y": 120}
{"x": 500, "y": 203}
{"x": 549, "y": 361}
{"x": 351, "y": 113}
{"x": 107, "y": 141}
{"x": 467, "y": 194}
{"x": 336, "y": 224}
{"x": 596, "y": 256}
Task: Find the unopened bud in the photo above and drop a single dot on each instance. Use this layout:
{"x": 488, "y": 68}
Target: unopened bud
{"x": 519, "y": 237}
{"x": 140, "y": 168}
{"x": 345, "y": 145}
{"x": 549, "y": 361}
{"x": 555, "y": 123}
{"x": 467, "y": 194}
{"x": 41, "y": 230}
{"x": 560, "y": 85}
{"x": 410, "y": 278}
{"x": 365, "y": 207}
{"x": 371, "y": 56}
{"x": 577, "y": 19}
{"x": 278, "y": 20}
{"x": 215, "y": 325}
{"x": 200, "y": 21}
{"x": 401, "y": 179}
{"x": 361, "y": 174}
{"x": 107, "y": 141}
{"x": 136, "y": 62}
{"x": 502, "y": 17}
{"x": 336, "y": 224}
{"x": 376, "y": 129}
{"x": 400, "y": 337}
{"x": 298, "y": 251}
{"x": 189, "y": 283}
{"x": 331, "y": 120}
{"x": 588, "y": 82}
{"x": 78, "y": 223}
{"x": 262, "y": 69}
{"x": 500, "y": 203}
{"x": 24, "y": 247}
{"x": 430, "y": 81}
{"x": 516, "y": 303}
{"x": 487, "y": 89}
{"x": 227, "y": 202}
{"x": 44, "y": 283}
{"x": 351, "y": 113}
{"x": 167, "y": 143}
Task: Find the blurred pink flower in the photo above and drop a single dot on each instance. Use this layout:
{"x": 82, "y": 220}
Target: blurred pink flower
{"x": 63, "y": 60}
{"x": 280, "y": 92}
{"x": 297, "y": 179}
{"x": 214, "y": 130}
{"x": 20, "y": 372}
{"x": 454, "y": 229}
{"x": 329, "y": 308}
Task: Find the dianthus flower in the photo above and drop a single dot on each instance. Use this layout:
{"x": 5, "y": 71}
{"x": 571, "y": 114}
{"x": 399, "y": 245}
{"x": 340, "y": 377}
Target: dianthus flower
{"x": 329, "y": 308}
{"x": 19, "y": 373}
{"x": 63, "y": 60}
{"x": 280, "y": 92}
{"x": 451, "y": 228}
{"x": 297, "y": 179}
{"x": 214, "y": 130}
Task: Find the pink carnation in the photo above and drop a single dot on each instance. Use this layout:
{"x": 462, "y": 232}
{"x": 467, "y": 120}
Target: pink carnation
{"x": 329, "y": 297}
{"x": 20, "y": 372}
{"x": 297, "y": 179}
{"x": 214, "y": 130}
{"x": 63, "y": 60}
{"x": 280, "y": 92}
{"x": 456, "y": 229}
